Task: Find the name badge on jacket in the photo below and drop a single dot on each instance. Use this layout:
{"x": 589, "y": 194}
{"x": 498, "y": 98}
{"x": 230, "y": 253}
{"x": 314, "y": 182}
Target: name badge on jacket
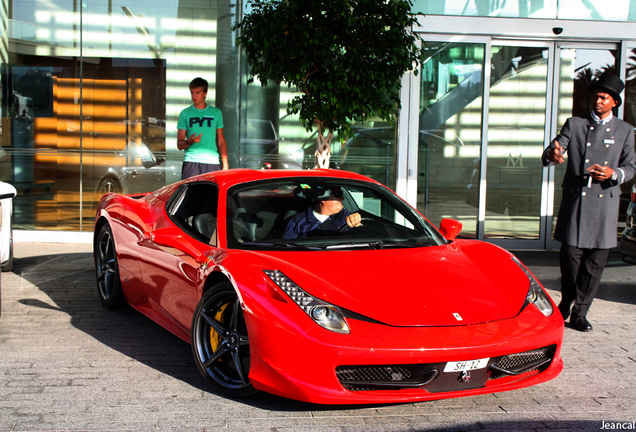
{"x": 608, "y": 141}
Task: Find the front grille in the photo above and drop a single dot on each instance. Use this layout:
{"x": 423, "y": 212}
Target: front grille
{"x": 398, "y": 377}
{"x": 373, "y": 373}
{"x": 430, "y": 377}
{"x": 523, "y": 362}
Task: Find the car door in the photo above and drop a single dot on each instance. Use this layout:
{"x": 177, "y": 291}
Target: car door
{"x": 173, "y": 254}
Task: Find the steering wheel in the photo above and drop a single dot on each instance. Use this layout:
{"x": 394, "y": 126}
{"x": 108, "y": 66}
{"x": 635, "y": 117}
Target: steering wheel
{"x": 345, "y": 227}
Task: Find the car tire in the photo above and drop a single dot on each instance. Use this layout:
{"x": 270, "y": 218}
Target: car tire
{"x": 107, "y": 270}
{"x": 220, "y": 344}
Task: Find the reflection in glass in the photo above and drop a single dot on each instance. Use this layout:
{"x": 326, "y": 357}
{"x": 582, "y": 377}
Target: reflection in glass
{"x": 370, "y": 151}
{"x": 262, "y": 147}
{"x": 70, "y": 122}
{"x": 70, "y": 115}
{"x": 598, "y": 10}
{"x": 629, "y": 104}
{"x": 450, "y": 125}
{"x": 516, "y": 129}
{"x": 488, "y": 8}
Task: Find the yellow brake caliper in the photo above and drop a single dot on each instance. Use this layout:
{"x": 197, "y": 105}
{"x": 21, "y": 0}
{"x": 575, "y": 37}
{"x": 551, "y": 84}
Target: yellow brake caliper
{"x": 215, "y": 337}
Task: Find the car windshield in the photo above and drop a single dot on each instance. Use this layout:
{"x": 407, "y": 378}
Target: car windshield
{"x": 291, "y": 214}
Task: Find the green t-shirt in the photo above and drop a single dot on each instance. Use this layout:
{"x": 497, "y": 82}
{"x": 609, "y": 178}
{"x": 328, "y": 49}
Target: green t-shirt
{"x": 205, "y": 122}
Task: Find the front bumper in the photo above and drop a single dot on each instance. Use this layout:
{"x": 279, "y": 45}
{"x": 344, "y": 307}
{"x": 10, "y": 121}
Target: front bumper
{"x": 319, "y": 366}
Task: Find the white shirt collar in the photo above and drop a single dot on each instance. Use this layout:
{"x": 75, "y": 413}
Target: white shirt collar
{"x": 597, "y": 119}
{"x": 320, "y": 217}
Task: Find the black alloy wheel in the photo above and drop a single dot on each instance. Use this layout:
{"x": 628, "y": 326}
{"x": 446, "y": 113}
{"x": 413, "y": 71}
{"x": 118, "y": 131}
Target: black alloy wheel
{"x": 107, "y": 270}
{"x": 220, "y": 344}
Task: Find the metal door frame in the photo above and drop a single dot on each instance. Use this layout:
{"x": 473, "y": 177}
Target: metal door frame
{"x": 408, "y": 128}
{"x": 543, "y": 209}
{"x": 409, "y": 124}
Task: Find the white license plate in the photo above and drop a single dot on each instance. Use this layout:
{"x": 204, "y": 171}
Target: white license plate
{"x": 468, "y": 365}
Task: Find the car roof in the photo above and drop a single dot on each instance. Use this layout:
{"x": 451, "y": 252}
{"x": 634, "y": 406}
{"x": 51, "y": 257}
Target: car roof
{"x": 231, "y": 177}
{"x": 228, "y": 178}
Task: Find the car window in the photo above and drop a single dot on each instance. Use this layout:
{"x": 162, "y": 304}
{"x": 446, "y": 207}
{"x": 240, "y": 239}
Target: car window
{"x": 193, "y": 207}
{"x": 260, "y": 215}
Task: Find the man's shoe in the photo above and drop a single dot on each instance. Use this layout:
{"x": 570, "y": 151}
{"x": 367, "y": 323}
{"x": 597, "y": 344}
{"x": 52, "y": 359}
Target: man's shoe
{"x": 565, "y": 308}
{"x": 581, "y": 324}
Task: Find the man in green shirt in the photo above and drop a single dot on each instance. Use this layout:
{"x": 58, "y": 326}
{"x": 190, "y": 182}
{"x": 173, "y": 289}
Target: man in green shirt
{"x": 200, "y": 134}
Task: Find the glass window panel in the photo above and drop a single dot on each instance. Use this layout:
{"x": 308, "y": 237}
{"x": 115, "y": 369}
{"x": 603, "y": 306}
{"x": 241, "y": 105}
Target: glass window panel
{"x": 74, "y": 127}
{"x": 516, "y": 129}
{"x": 597, "y": 10}
{"x": 630, "y": 88}
{"x": 106, "y": 121}
{"x": 449, "y": 146}
{"x": 370, "y": 151}
{"x": 39, "y": 102}
{"x": 53, "y": 26}
{"x": 488, "y": 8}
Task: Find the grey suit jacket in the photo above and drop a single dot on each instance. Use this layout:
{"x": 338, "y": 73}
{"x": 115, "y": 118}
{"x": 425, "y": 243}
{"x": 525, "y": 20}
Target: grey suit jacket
{"x": 589, "y": 208}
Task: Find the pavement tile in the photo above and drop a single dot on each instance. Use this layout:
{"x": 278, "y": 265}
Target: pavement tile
{"x": 67, "y": 364}
{"x": 295, "y": 422}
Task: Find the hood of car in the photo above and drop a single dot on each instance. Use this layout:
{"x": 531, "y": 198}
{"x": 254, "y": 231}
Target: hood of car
{"x": 465, "y": 282}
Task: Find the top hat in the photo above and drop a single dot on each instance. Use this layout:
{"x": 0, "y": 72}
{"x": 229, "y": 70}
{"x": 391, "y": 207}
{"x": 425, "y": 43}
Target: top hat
{"x": 610, "y": 84}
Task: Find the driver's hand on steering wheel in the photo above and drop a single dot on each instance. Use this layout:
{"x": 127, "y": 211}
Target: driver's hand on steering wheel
{"x": 353, "y": 220}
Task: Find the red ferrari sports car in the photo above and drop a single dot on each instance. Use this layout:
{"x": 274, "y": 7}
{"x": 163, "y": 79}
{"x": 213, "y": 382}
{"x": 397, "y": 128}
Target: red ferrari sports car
{"x": 272, "y": 297}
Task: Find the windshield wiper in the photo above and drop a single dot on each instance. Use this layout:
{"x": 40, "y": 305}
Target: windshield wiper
{"x": 377, "y": 245}
{"x": 353, "y": 245}
{"x": 410, "y": 244}
{"x": 285, "y": 244}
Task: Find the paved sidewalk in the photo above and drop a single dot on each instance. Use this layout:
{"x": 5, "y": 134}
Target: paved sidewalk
{"x": 67, "y": 364}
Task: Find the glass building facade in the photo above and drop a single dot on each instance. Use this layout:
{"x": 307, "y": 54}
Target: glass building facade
{"x": 91, "y": 92}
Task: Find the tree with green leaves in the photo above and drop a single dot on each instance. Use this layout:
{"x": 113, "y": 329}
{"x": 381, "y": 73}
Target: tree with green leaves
{"x": 346, "y": 59}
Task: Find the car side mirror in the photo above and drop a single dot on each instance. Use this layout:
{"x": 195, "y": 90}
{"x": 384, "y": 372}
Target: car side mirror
{"x": 175, "y": 238}
{"x": 450, "y": 228}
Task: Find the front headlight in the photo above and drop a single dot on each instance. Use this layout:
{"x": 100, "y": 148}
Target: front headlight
{"x": 324, "y": 314}
{"x": 536, "y": 295}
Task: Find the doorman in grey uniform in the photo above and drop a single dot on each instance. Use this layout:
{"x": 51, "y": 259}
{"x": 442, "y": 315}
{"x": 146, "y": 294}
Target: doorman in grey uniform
{"x": 600, "y": 156}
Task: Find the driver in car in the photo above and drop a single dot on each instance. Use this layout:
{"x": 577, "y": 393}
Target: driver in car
{"x": 325, "y": 217}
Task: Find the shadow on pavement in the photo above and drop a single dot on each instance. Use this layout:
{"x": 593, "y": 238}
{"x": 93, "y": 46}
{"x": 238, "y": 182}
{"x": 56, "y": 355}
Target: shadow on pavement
{"x": 69, "y": 281}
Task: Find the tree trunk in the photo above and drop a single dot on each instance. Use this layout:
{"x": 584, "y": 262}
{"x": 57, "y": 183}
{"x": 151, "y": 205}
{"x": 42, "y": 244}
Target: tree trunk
{"x": 323, "y": 149}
